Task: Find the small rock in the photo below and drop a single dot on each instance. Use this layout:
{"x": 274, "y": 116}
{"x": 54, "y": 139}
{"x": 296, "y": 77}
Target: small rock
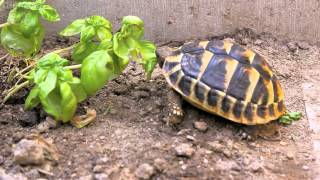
{"x": 102, "y": 137}
{"x": 98, "y": 169}
{"x": 201, "y": 126}
{"x": 102, "y": 160}
{"x": 183, "y": 132}
{"x": 191, "y": 138}
{"x": 160, "y": 164}
{"x": 87, "y": 177}
{"x": 290, "y": 155}
{"x": 185, "y": 150}
{"x": 303, "y": 45}
{"x": 258, "y": 42}
{"x": 282, "y": 143}
{"x": 145, "y": 171}
{"x": 306, "y": 168}
{"x": 101, "y": 176}
{"x": 5, "y": 176}
{"x": 256, "y": 167}
{"x": 17, "y": 137}
{"x": 292, "y": 46}
{"x": 35, "y": 151}
{"x": 48, "y": 123}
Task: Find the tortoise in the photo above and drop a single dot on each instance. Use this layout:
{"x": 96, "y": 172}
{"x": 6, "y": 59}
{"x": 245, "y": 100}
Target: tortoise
{"x": 224, "y": 79}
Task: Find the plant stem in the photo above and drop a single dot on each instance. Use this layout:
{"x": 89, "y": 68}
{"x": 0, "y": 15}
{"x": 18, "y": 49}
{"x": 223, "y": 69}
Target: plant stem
{"x": 78, "y": 66}
{"x": 4, "y": 25}
{"x": 58, "y": 51}
{"x": 3, "y": 57}
{"x": 15, "y": 89}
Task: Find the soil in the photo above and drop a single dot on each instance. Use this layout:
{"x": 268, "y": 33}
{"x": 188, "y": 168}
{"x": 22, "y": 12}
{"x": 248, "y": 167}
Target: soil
{"x": 129, "y": 130}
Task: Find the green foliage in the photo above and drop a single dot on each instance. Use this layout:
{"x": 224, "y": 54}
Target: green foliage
{"x": 1, "y": 2}
{"x": 102, "y": 57}
{"x": 128, "y": 43}
{"x": 24, "y": 34}
{"x": 55, "y": 88}
{"x": 289, "y": 118}
{"x": 92, "y": 30}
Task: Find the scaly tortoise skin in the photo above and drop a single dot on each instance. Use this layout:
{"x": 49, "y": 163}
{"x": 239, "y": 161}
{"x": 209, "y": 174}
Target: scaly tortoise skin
{"x": 227, "y": 80}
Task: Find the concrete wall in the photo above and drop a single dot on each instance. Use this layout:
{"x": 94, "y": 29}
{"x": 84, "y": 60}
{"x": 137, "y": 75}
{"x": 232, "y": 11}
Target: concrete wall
{"x": 185, "y": 19}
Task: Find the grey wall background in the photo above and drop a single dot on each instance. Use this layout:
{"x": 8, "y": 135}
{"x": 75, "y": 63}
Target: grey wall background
{"x": 185, "y": 19}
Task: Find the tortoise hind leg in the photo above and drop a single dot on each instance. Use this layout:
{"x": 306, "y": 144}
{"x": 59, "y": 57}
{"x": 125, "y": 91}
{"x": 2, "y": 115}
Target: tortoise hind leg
{"x": 175, "y": 112}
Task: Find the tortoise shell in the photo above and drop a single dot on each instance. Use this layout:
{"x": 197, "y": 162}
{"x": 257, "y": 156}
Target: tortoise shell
{"x": 227, "y": 80}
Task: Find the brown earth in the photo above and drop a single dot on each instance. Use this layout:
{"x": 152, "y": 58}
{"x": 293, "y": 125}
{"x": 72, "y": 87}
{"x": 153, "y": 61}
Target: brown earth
{"x": 129, "y": 130}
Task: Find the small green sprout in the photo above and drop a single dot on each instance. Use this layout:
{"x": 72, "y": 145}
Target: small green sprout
{"x": 289, "y": 118}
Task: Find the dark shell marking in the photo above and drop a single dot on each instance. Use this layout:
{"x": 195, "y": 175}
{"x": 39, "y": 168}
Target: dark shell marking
{"x": 237, "y": 81}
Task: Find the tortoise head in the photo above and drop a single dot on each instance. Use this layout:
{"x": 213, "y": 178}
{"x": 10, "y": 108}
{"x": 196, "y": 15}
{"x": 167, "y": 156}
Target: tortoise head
{"x": 166, "y": 51}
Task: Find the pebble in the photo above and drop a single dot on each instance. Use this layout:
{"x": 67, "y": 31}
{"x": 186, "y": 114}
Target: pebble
{"x": 1, "y": 160}
{"x": 87, "y": 177}
{"x": 35, "y": 151}
{"x": 303, "y": 45}
{"x": 102, "y": 137}
{"x": 290, "y": 155}
{"x": 101, "y": 176}
{"x": 102, "y": 160}
{"x": 256, "y": 167}
{"x": 282, "y": 143}
{"x": 160, "y": 164}
{"x": 185, "y": 150}
{"x": 306, "y": 168}
{"x": 292, "y": 46}
{"x": 190, "y": 138}
{"x": 258, "y": 42}
{"x": 201, "y": 126}
{"x": 28, "y": 152}
{"x": 98, "y": 169}
{"x": 145, "y": 171}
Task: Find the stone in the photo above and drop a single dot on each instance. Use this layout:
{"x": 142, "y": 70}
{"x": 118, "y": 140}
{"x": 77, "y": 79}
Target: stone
{"x": 101, "y": 176}
{"x": 306, "y": 168}
{"x": 35, "y": 151}
{"x": 160, "y": 164}
{"x": 145, "y": 171}
{"x": 292, "y": 46}
{"x": 87, "y": 177}
{"x": 184, "y": 150}
{"x": 201, "y": 126}
{"x": 258, "y": 42}
{"x": 303, "y": 45}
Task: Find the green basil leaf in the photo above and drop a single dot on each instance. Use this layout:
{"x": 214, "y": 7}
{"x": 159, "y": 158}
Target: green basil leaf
{"x": 34, "y": 6}
{"x": 78, "y": 90}
{"x": 65, "y": 75}
{"x": 68, "y": 102}
{"x": 133, "y": 27}
{"x": 49, "y": 13}
{"x": 48, "y": 84}
{"x": 87, "y": 34}
{"x": 40, "y": 1}
{"x": 149, "y": 58}
{"x": 120, "y": 48}
{"x": 99, "y": 21}
{"x": 29, "y": 23}
{"x": 33, "y": 99}
{"x": 82, "y": 50}
{"x": 51, "y": 60}
{"x": 40, "y": 75}
{"x": 96, "y": 70}
{"x": 104, "y": 34}
{"x": 106, "y": 45}
{"x": 18, "y": 45}
{"x": 52, "y": 103}
{"x": 74, "y": 28}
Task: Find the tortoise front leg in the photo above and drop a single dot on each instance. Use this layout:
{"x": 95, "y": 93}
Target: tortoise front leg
{"x": 175, "y": 112}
